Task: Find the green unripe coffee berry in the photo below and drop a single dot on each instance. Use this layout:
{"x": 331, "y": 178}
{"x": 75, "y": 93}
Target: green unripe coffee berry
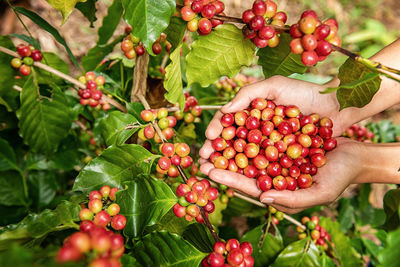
{"x": 28, "y": 61}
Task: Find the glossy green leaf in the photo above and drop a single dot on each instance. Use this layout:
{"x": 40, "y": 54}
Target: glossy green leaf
{"x": 343, "y": 251}
{"x": 47, "y": 27}
{"x": 221, "y": 53}
{"x": 110, "y": 22}
{"x": 8, "y": 160}
{"x": 42, "y": 187}
{"x": 389, "y": 256}
{"x": 165, "y": 249}
{"x": 175, "y": 31}
{"x": 326, "y": 261}
{"x": 88, "y": 9}
{"x": 148, "y": 18}
{"x": 300, "y": 253}
{"x": 12, "y": 188}
{"x": 129, "y": 261}
{"x": 199, "y": 236}
{"x": 43, "y": 122}
{"x": 266, "y": 246}
{"x": 280, "y": 60}
{"x": 170, "y": 223}
{"x": 173, "y": 80}
{"x": 134, "y": 109}
{"x": 38, "y": 225}
{"x": 113, "y": 127}
{"x": 391, "y": 203}
{"x": 64, "y": 6}
{"x": 55, "y": 62}
{"x": 95, "y": 55}
{"x": 144, "y": 202}
{"x": 113, "y": 167}
{"x": 346, "y": 215}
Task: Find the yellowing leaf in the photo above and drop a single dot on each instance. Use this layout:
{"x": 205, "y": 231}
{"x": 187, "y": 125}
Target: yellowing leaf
{"x": 65, "y": 6}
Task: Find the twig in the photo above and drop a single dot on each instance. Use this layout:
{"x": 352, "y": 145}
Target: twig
{"x": 164, "y": 61}
{"x": 17, "y": 88}
{"x": 203, "y": 107}
{"x": 84, "y": 128}
{"x": 63, "y": 76}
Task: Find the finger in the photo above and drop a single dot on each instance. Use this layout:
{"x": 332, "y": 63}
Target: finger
{"x": 247, "y": 94}
{"x": 206, "y": 168}
{"x": 299, "y": 199}
{"x": 215, "y": 127}
{"x": 206, "y": 150}
{"x": 235, "y": 180}
{"x": 203, "y": 161}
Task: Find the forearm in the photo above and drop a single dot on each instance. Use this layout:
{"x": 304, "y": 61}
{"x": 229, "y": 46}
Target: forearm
{"x": 380, "y": 163}
{"x": 389, "y": 92}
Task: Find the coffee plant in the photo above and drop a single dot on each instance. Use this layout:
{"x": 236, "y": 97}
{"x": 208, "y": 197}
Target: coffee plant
{"x": 102, "y": 169}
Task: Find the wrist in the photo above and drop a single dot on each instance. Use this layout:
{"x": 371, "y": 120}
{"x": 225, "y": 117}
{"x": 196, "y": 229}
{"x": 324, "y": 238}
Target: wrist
{"x": 380, "y": 163}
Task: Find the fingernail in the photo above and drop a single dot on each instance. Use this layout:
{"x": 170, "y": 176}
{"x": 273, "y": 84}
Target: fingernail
{"x": 267, "y": 200}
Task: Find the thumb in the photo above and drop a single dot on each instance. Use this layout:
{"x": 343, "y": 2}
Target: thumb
{"x": 245, "y": 95}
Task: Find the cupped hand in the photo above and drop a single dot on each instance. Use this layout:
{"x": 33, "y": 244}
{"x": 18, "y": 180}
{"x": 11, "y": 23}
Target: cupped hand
{"x": 342, "y": 168}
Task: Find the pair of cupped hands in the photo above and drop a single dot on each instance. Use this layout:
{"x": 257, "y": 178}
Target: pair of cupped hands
{"x": 330, "y": 181}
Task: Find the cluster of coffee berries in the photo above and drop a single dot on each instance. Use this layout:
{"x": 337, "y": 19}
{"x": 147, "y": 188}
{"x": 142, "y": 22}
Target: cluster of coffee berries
{"x": 102, "y": 210}
{"x": 312, "y": 38}
{"x": 199, "y": 15}
{"x": 192, "y": 195}
{"x": 229, "y": 87}
{"x": 28, "y": 56}
{"x": 132, "y": 47}
{"x": 231, "y": 253}
{"x": 317, "y": 232}
{"x": 165, "y": 122}
{"x": 258, "y": 22}
{"x": 276, "y": 144}
{"x": 101, "y": 245}
{"x": 191, "y": 111}
{"x": 92, "y": 94}
{"x": 97, "y": 244}
{"x": 274, "y": 215}
{"x": 225, "y": 193}
{"x": 174, "y": 155}
{"x": 359, "y": 133}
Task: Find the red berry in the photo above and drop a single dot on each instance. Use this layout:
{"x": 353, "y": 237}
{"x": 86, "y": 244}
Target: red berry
{"x": 247, "y": 16}
{"x": 259, "y": 7}
{"x": 235, "y": 257}
{"x": 156, "y": 48}
{"x": 308, "y": 24}
{"x": 102, "y": 219}
{"x": 309, "y": 42}
{"x": 86, "y": 226}
{"x": 266, "y": 32}
{"x": 36, "y": 55}
{"x": 215, "y": 259}
{"x": 68, "y": 253}
{"x": 280, "y": 16}
{"x": 220, "y": 6}
{"x": 118, "y": 222}
{"x": 296, "y": 46}
{"x": 291, "y": 183}
{"x": 139, "y": 50}
{"x": 295, "y": 31}
{"x": 25, "y": 70}
{"x": 219, "y": 247}
{"x": 257, "y": 22}
{"x": 271, "y": 8}
{"x": 279, "y": 182}
{"x": 264, "y": 182}
{"x": 219, "y": 144}
{"x": 209, "y": 11}
{"x": 232, "y": 244}
{"x": 322, "y": 31}
{"x": 304, "y": 181}
{"x": 197, "y": 6}
{"x": 309, "y": 58}
{"x": 80, "y": 241}
{"x": 324, "y": 48}
{"x": 205, "y": 26}
{"x": 187, "y": 13}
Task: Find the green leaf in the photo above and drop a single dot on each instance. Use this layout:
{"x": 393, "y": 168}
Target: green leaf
{"x": 7, "y": 80}
{"x": 12, "y": 188}
{"x": 266, "y": 246}
{"x": 8, "y": 160}
{"x": 38, "y": 225}
{"x": 88, "y": 9}
{"x": 173, "y": 80}
{"x": 343, "y": 251}
{"x": 170, "y": 223}
{"x": 128, "y": 261}
{"x": 50, "y": 29}
{"x": 389, "y": 256}
{"x": 299, "y": 253}
{"x": 165, "y": 249}
{"x": 42, "y": 188}
{"x": 199, "y": 236}
{"x": 175, "y": 31}
{"x": 134, "y": 109}
{"x": 28, "y": 39}
{"x": 55, "y": 62}
{"x": 64, "y": 6}
{"x": 391, "y": 204}
{"x": 358, "y": 84}
{"x": 97, "y": 54}
{"x": 148, "y": 18}
{"x": 113, "y": 167}
{"x": 43, "y": 122}
{"x": 113, "y": 127}
{"x": 144, "y": 202}
{"x": 280, "y": 60}
{"x": 110, "y": 22}
{"x": 346, "y": 215}
{"x": 326, "y": 261}
{"x": 221, "y": 53}
{"x": 371, "y": 247}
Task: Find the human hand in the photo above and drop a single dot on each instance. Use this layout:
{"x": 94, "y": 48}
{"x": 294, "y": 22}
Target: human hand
{"x": 343, "y": 167}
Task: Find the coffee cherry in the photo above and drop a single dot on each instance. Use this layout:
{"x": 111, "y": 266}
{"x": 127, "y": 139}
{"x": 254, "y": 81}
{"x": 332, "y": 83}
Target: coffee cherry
{"x": 167, "y": 149}
{"x": 95, "y": 205}
{"x": 308, "y": 24}
{"x": 118, "y": 222}
{"x": 187, "y": 13}
{"x": 304, "y": 181}
{"x": 131, "y": 54}
{"x": 147, "y": 115}
{"x": 186, "y": 162}
{"x": 139, "y": 50}
{"x": 102, "y": 219}
{"x": 295, "y": 31}
{"x": 264, "y": 182}
{"x": 266, "y": 33}
{"x": 215, "y": 259}
{"x": 281, "y": 16}
{"x": 85, "y": 215}
{"x": 113, "y": 191}
{"x": 68, "y": 253}
{"x": 309, "y": 58}
{"x": 16, "y": 63}
{"x": 156, "y": 48}
{"x": 322, "y": 31}
{"x": 247, "y": 16}
{"x": 309, "y": 42}
{"x": 257, "y": 23}
{"x": 24, "y": 50}
{"x": 205, "y": 26}
{"x": 323, "y": 48}
{"x": 296, "y": 46}
{"x": 113, "y": 209}
{"x": 25, "y": 70}
{"x": 208, "y": 11}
